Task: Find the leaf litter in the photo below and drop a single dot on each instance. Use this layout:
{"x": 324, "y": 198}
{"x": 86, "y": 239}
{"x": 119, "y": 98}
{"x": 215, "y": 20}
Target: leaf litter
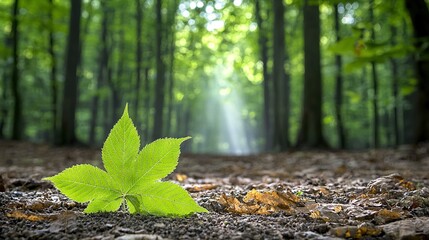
{"x": 366, "y": 199}
{"x": 256, "y": 202}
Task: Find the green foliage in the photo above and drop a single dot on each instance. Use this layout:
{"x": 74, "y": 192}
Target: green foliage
{"x": 131, "y": 177}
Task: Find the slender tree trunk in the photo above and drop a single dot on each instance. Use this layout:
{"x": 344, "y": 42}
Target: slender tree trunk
{"x": 116, "y": 86}
{"x": 374, "y": 75}
{"x": 170, "y": 85}
{"x": 387, "y": 123}
{"x": 147, "y": 100}
{"x": 17, "y": 127}
{"x": 339, "y": 86}
{"x": 395, "y": 86}
{"x": 5, "y": 87}
{"x": 280, "y": 79}
{"x": 101, "y": 79}
{"x": 68, "y": 114}
{"x": 409, "y": 109}
{"x": 419, "y": 14}
{"x": 366, "y": 110}
{"x": 267, "y": 85}
{"x": 171, "y": 36}
{"x": 4, "y": 109}
{"x": 139, "y": 52}
{"x": 108, "y": 82}
{"x": 107, "y": 110}
{"x": 160, "y": 76}
{"x": 311, "y": 132}
{"x": 53, "y": 73}
{"x": 81, "y": 62}
{"x": 375, "y": 114}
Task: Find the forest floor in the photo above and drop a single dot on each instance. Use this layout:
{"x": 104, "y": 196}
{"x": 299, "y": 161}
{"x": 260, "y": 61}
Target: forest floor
{"x": 382, "y": 194}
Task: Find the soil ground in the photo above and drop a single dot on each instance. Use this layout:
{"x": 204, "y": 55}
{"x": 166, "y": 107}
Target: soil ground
{"x": 381, "y": 194}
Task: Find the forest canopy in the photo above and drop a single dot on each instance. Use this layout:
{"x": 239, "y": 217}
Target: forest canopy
{"x": 240, "y": 77}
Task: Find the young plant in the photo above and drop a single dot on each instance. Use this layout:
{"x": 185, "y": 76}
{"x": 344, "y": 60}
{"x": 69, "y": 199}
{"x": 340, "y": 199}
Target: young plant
{"x": 132, "y": 177}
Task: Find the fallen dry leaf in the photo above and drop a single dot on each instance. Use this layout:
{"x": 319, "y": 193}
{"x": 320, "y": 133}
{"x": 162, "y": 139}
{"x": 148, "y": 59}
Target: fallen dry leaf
{"x": 356, "y": 232}
{"x": 181, "y": 177}
{"x": 31, "y": 217}
{"x": 256, "y": 202}
{"x": 233, "y": 205}
{"x": 407, "y": 184}
{"x": 315, "y": 214}
{"x": 324, "y": 191}
{"x": 201, "y": 187}
{"x": 386, "y": 183}
{"x": 385, "y": 216}
{"x": 338, "y": 208}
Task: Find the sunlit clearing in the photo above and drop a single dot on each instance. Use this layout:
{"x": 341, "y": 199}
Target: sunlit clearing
{"x": 224, "y": 108}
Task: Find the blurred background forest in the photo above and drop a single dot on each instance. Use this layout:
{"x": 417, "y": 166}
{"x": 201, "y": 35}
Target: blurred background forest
{"x": 240, "y": 77}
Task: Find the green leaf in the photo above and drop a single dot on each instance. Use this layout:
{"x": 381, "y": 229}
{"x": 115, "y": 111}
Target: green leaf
{"x": 166, "y": 199}
{"x": 121, "y": 148}
{"x": 109, "y": 203}
{"x": 131, "y": 178}
{"x": 158, "y": 159}
{"x": 84, "y": 183}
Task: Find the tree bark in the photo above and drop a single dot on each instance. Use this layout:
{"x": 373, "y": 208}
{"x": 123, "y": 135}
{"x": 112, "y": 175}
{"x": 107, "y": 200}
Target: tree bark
{"x": 101, "y": 78}
{"x": 116, "y": 86}
{"x": 339, "y": 86}
{"x": 267, "y": 84}
{"x": 68, "y": 114}
{"x": 147, "y": 103}
{"x": 280, "y": 80}
{"x": 395, "y": 86}
{"x": 171, "y": 36}
{"x": 170, "y": 80}
{"x": 139, "y": 52}
{"x": 160, "y": 76}
{"x": 17, "y": 127}
{"x": 311, "y": 132}
{"x": 374, "y": 75}
{"x": 3, "y": 105}
{"x": 419, "y": 14}
{"x": 53, "y": 73}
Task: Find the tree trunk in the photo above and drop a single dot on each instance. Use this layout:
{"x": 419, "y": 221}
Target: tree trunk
{"x": 170, "y": 85}
{"x": 408, "y": 115}
{"x": 366, "y": 110}
{"x": 267, "y": 85}
{"x": 160, "y": 77}
{"x": 3, "y": 105}
{"x": 395, "y": 86}
{"x": 171, "y": 21}
{"x": 101, "y": 79}
{"x": 53, "y": 73}
{"x": 139, "y": 52}
{"x": 280, "y": 80}
{"x": 68, "y": 115}
{"x": 311, "y": 132}
{"x": 116, "y": 86}
{"x": 17, "y": 127}
{"x": 375, "y": 115}
{"x": 147, "y": 100}
{"x": 339, "y": 86}
{"x": 419, "y": 14}
{"x": 81, "y": 62}
{"x": 108, "y": 82}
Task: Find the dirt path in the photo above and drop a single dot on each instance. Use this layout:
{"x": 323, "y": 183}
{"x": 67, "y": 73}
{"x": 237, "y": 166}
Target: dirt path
{"x": 318, "y": 195}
